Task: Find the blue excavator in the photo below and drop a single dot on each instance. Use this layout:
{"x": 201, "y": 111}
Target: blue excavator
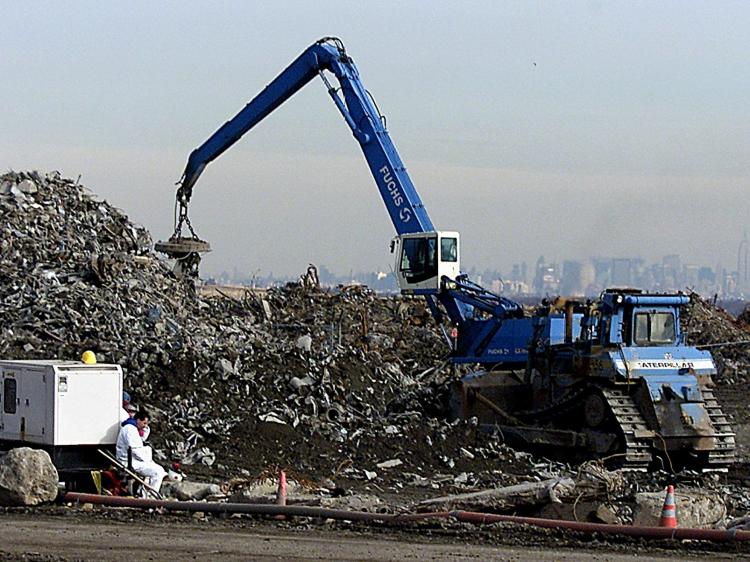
{"x": 614, "y": 378}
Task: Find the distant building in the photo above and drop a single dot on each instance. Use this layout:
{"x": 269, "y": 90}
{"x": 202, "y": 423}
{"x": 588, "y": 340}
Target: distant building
{"x": 546, "y": 278}
{"x": 672, "y": 272}
{"x": 571, "y": 281}
{"x": 622, "y": 273}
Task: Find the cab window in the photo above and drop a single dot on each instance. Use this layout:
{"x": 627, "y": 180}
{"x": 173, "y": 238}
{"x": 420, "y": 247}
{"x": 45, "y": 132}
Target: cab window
{"x": 419, "y": 259}
{"x": 654, "y": 328}
{"x": 449, "y": 249}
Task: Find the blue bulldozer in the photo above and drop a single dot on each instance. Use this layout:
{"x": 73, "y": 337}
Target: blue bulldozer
{"x": 613, "y": 378}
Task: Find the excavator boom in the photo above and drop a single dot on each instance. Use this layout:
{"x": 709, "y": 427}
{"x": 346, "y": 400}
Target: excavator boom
{"x": 404, "y": 205}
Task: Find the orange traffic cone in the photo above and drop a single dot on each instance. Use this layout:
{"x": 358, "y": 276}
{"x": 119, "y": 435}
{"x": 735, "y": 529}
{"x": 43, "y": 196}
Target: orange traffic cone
{"x": 669, "y": 511}
{"x": 281, "y": 495}
{"x": 281, "y": 492}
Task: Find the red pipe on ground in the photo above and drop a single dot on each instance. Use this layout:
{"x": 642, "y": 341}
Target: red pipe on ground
{"x": 714, "y": 535}
{"x": 250, "y": 508}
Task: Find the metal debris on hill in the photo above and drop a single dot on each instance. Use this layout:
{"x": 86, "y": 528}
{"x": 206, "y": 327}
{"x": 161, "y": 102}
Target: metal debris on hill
{"x": 217, "y": 372}
{"x": 727, "y": 338}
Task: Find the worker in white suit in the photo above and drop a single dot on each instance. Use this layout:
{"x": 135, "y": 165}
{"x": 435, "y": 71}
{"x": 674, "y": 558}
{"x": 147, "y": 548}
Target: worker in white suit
{"x": 128, "y": 411}
{"x": 130, "y": 438}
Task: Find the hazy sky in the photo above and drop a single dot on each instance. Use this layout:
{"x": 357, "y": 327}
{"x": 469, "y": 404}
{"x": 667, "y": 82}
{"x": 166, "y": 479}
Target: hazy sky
{"x": 566, "y": 129}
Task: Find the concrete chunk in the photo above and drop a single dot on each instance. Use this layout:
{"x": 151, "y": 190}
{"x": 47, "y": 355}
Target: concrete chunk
{"x": 694, "y": 509}
{"x": 27, "y": 477}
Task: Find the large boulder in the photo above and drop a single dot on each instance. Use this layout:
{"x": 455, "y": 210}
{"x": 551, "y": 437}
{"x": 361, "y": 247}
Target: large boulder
{"x": 697, "y": 509}
{"x": 27, "y": 477}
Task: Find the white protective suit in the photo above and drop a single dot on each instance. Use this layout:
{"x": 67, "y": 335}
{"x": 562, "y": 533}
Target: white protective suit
{"x": 142, "y": 462}
{"x": 124, "y": 414}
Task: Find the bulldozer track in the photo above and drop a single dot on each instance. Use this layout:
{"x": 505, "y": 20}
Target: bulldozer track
{"x": 724, "y": 453}
{"x": 637, "y": 447}
{"x": 638, "y": 452}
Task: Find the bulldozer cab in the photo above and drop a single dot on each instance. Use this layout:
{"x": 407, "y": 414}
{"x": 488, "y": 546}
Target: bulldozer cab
{"x": 640, "y": 320}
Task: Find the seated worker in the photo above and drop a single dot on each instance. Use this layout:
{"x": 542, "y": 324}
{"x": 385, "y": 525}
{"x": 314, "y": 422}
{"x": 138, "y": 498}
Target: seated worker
{"x": 128, "y": 411}
{"x": 142, "y": 463}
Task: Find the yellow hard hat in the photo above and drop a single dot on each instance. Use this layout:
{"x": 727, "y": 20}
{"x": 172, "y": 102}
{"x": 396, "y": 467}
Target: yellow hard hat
{"x": 88, "y": 357}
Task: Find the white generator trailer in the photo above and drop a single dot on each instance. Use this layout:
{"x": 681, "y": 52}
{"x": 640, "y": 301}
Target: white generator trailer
{"x": 68, "y": 408}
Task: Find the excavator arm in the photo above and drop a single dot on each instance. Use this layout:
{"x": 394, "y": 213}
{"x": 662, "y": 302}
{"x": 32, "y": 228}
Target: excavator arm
{"x": 405, "y": 208}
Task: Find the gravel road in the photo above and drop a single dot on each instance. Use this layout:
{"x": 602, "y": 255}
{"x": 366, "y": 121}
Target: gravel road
{"x": 33, "y": 537}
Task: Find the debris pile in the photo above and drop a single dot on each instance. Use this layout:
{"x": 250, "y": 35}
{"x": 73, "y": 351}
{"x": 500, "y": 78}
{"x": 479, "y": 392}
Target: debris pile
{"x": 592, "y": 482}
{"x": 727, "y": 339}
{"x": 235, "y": 375}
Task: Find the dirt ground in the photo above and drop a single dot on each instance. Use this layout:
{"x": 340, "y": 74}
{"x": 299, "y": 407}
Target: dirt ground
{"x": 65, "y": 534}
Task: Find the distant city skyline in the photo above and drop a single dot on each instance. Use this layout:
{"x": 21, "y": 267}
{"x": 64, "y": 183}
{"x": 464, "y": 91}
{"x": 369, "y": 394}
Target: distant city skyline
{"x": 540, "y": 277}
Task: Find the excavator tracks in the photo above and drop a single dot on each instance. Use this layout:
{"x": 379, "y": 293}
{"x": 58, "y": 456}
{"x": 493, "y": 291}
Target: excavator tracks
{"x": 724, "y": 453}
{"x": 635, "y": 433}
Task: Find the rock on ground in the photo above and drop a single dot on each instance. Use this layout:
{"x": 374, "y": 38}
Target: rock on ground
{"x": 27, "y": 477}
{"x": 192, "y": 491}
{"x": 694, "y": 509}
{"x": 594, "y": 511}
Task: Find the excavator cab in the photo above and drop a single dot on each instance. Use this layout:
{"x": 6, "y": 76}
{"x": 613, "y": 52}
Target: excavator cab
{"x": 423, "y": 259}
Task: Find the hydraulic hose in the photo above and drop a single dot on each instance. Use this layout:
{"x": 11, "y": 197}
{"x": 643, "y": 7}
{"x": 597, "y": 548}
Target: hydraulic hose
{"x": 713, "y": 535}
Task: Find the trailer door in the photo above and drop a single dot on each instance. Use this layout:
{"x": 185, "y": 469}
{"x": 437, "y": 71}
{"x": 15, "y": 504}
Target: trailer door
{"x": 9, "y": 423}
{"x": 32, "y": 405}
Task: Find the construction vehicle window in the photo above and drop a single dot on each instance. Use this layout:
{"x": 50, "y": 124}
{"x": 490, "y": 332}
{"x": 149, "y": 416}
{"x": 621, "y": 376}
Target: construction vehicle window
{"x": 604, "y": 334}
{"x": 9, "y": 396}
{"x": 449, "y": 249}
{"x": 419, "y": 259}
{"x": 654, "y": 328}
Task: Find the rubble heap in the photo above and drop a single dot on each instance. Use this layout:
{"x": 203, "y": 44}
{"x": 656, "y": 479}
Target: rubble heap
{"x": 76, "y": 273}
{"x": 299, "y": 366}
{"x": 328, "y": 383}
{"x": 726, "y": 337}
